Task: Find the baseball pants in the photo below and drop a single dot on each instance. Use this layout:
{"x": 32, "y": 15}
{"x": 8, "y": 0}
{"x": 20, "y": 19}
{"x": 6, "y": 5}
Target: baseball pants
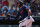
{"x": 27, "y": 22}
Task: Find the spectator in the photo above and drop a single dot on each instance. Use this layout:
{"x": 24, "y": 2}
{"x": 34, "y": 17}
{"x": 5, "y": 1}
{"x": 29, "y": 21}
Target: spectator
{"x": 11, "y": 11}
{"x": 16, "y": 10}
{"x": 5, "y": 11}
{"x": 4, "y": 7}
{"x": 38, "y": 12}
{"x": 39, "y": 5}
{"x": 34, "y": 11}
{"x": 6, "y": 3}
{"x": 33, "y": 1}
{"x": 27, "y": 1}
{"x": 15, "y": 2}
{"x": 1, "y": 14}
{"x": 0, "y": 2}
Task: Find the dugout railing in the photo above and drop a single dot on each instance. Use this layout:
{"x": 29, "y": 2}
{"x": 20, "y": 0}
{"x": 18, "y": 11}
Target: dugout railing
{"x": 12, "y": 20}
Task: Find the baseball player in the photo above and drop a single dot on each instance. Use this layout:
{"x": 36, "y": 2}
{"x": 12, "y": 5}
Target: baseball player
{"x": 26, "y": 19}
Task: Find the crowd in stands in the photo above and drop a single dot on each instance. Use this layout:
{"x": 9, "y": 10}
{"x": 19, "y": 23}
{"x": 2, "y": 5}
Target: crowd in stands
{"x": 17, "y": 5}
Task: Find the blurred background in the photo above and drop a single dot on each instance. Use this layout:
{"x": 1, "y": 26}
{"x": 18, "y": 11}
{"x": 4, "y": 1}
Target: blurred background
{"x": 10, "y": 8}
